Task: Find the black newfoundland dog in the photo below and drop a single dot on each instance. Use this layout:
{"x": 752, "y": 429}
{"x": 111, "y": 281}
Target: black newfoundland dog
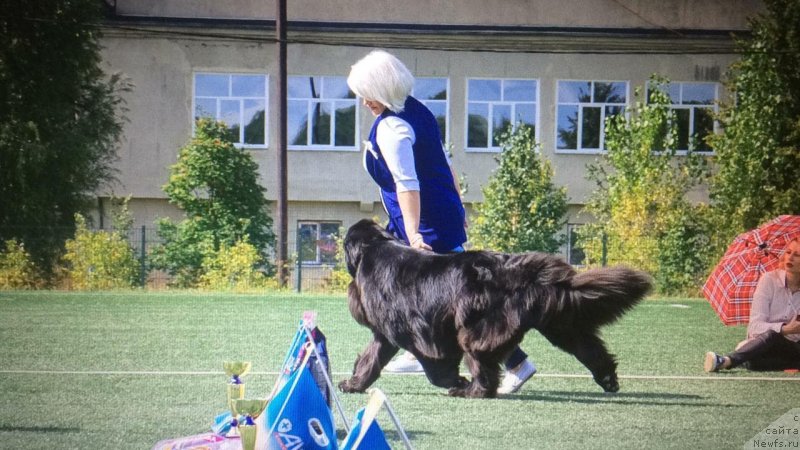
{"x": 477, "y": 305}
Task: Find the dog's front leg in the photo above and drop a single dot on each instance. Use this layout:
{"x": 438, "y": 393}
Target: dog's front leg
{"x": 368, "y": 365}
{"x": 485, "y": 378}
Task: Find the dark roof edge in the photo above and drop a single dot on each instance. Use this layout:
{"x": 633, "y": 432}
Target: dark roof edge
{"x": 366, "y": 27}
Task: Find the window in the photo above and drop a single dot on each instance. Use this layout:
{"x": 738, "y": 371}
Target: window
{"x": 239, "y": 100}
{"x": 694, "y": 105}
{"x": 321, "y": 114}
{"x": 432, "y": 92}
{"x": 583, "y": 107}
{"x": 316, "y": 242}
{"x": 575, "y": 253}
{"x": 494, "y": 104}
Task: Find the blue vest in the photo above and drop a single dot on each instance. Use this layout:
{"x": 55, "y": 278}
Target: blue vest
{"x": 441, "y": 212}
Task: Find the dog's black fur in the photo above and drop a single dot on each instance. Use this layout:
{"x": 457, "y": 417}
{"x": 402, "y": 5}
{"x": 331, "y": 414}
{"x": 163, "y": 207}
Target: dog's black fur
{"x": 479, "y": 305}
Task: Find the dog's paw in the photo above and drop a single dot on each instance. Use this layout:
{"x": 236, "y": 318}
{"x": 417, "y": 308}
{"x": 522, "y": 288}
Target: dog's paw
{"x": 348, "y": 387}
{"x": 609, "y": 383}
{"x": 457, "y": 392}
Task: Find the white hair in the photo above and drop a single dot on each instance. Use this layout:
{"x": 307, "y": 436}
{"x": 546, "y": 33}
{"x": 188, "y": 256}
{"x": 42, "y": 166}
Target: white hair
{"x": 381, "y": 77}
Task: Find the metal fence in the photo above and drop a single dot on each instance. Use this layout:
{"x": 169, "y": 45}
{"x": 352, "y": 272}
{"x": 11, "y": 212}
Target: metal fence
{"x": 303, "y": 276}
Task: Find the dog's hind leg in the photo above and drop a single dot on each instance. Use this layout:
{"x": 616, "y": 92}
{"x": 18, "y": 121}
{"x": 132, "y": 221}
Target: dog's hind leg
{"x": 485, "y": 378}
{"x": 368, "y": 365}
{"x": 443, "y": 372}
{"x": 591, "y": 351}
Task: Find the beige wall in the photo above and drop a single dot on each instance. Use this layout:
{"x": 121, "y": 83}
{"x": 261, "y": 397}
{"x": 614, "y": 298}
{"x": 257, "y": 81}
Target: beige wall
{"x": 160, "y": 107}
{"x": 710, "y": 14}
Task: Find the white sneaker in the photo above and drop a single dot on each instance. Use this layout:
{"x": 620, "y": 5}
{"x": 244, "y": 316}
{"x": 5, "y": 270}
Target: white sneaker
{"x": 405, "y": 363}
{"x": 516, "y": 377}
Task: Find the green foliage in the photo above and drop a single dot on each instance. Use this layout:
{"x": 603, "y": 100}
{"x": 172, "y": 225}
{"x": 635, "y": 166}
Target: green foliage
{"x": 216, "y": 185}
{"x": 99, "y": 259}
{"x": 522, "y": 209}
{"x": 339, "y": 278}
{"x": 640, "y": 203}
{"x": 16, "y": 268}
{"x": 758, "y": 153}
{"x": 234, "y": 268}
{"x": 60, "y": 120}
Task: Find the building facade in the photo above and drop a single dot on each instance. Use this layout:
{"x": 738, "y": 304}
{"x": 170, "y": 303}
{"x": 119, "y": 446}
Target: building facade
{"x": 562, "y": 66}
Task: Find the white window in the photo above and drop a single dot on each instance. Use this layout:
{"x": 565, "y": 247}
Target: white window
{"x": 433, "y": 93}
{"x": 493, "y": 104}
{"x": 316, "y": 242}
{"x": 239, "y": 100}
{"x": 583, "y": 107}
{"x": 321, "y": 114}
{"x": 694, "y": 105}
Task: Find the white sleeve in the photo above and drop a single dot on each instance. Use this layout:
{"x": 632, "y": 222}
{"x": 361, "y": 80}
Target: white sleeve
{"x": 395, "y": 138}
{"x": 760, "y": 318}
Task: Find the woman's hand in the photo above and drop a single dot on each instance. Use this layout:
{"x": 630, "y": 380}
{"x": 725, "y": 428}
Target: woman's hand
{"x": 417, "y": 242}
{"x": 793, "y": 327}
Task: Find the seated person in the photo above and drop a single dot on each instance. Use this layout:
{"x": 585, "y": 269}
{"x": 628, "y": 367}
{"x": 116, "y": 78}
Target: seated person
{"x": 773, "y": 334}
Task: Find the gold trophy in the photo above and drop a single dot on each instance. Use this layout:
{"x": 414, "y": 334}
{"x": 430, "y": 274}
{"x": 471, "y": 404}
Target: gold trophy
{"x": 235, "y": 389}
{"x": 250, "y": 409}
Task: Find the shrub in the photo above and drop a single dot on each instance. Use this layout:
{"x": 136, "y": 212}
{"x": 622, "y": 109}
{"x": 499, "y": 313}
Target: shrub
{"x": 643, "y": 217}
{"x": 522, "y": 209}
{"x": 339, "y": 278}
{"x": 234, "y": 268}
{"x": 17, "y": 271}
{"x": 99, "y": 259}
{"x": 217, "y": 187}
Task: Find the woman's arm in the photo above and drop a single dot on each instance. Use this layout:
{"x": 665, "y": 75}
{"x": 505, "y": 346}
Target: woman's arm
{"x": 760, "y": 320}
{"x": 410, "y": 206}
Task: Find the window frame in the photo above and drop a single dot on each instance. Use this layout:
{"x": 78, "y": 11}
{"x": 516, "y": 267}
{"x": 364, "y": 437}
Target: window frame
{"x": 581, "y": 106}
{"x": 714, "y": 107}
{"x": 240, "y": 143}
{"x": 318, "y": 262}
{"x": 490, "y": 131}
{"x": 331, "y": 102}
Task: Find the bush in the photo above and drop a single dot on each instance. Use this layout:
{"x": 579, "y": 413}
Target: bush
{"x": 339, "y": 278}
{"x": 522, "y": 209}
{"x": 643, "y": 217}
{"x": 17, "y": 271}
{"x": 234, "y": 268}
{"x": 99, "y": 259}
{"x": 217, "y": 187}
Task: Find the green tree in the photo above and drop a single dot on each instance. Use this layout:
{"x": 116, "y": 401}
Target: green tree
{"x": 522, "y": 209}
{"x": 643, "y": 217}
{"x": 60, "y": 119}
{"x": 758, "y": 152}
{"x": 216, "y": 185}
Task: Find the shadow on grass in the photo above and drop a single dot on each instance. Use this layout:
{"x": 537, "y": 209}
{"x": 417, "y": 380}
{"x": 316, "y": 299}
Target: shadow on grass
{"x": 621, "y": 398}
{"x": 38, "y": 429}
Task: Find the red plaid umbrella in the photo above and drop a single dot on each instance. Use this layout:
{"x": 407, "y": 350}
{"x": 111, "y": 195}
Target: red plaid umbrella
{"x": 730, "y": 287}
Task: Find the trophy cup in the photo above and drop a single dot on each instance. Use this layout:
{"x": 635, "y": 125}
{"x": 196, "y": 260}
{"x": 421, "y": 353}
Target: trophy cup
{"x": 250, "y": 409}
{"x": 235, "y": 389}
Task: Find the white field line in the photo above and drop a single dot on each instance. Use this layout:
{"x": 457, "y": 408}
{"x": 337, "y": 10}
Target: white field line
{"x": 538, "y": 375}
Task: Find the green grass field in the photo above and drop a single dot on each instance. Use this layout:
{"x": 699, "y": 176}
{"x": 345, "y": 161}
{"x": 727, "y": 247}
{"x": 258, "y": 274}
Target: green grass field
{"x": 125, "y": 370}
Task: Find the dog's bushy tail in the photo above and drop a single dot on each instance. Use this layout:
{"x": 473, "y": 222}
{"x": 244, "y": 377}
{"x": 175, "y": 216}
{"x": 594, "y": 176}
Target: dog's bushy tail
{"x": 601, "y": 296}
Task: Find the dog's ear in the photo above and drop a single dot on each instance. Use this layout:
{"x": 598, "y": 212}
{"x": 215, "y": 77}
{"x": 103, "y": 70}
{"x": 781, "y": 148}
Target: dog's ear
{"x": 353, "y": 241}
{"x": 363, "y": 233}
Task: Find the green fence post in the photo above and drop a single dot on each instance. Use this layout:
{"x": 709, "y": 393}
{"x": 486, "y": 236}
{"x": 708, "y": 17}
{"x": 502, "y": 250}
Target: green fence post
{"x": 142, "y": 253}
{"x": 604, "y": 257}
{"x": 299, "y": 264}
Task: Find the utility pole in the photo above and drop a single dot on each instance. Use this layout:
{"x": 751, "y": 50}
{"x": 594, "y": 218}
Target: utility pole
{"x": 282, "y": 212}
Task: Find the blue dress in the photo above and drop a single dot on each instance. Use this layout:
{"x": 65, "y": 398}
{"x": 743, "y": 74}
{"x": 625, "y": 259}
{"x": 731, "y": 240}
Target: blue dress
{"x": 441, "y": 211}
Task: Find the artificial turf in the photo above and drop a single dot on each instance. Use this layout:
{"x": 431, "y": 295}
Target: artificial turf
{"x": 126, "y": 369}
